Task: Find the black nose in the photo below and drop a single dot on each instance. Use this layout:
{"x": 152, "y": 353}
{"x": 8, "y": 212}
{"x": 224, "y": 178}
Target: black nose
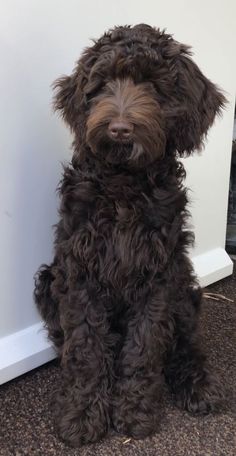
{"x": 120, "y": 129}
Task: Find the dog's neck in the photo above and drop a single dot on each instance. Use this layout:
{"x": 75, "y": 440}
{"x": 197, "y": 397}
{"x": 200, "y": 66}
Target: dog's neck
{"x": 158, "y": 171}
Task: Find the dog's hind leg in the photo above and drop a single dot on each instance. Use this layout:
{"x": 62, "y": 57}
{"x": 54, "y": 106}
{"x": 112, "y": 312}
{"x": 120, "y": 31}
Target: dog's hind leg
{"x": 194, "y": 387}
{"x": 47, "y": 304}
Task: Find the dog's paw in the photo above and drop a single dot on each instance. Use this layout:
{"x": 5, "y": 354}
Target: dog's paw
{"x": 202, "y": 397}
{"x": 135, "y": 413}
{"x": 136, "y": 423}
{"x": 79, "y": 427}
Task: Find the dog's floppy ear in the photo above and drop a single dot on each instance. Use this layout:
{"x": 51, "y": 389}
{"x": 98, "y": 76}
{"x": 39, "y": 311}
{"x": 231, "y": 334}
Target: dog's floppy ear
{"x": 70, "y": 93}
{"x": 67, "y": 98}
{"x": 197, "y": 102}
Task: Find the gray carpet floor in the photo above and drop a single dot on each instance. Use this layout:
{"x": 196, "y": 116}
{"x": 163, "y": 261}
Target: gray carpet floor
{"x": 26, "y": 426}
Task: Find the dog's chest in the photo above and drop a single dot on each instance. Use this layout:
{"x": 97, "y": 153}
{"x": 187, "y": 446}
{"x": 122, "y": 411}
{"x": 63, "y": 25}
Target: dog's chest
{"x": 122, "y": 231}
{"x": 126, "y": 235}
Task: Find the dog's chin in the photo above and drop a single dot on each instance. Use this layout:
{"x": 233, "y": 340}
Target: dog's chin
{"x": 115, "y": 152}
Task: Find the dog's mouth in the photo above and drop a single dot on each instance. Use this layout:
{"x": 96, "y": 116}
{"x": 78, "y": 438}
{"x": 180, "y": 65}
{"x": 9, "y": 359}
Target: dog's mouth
{"x": 115, "y": 152}
{"x": 129, "y": 153}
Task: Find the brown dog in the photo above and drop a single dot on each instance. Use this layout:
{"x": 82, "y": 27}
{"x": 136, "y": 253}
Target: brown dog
{"x": 120, "y": 299}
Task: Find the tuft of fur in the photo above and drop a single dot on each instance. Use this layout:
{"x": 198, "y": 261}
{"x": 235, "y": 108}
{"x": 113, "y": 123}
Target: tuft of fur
{"x": 121, "y": 300}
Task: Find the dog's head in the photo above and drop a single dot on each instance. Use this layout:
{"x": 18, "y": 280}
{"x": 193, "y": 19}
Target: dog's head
{"x": 134, "y": 93}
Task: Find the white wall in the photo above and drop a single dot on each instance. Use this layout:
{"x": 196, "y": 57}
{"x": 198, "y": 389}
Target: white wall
{"x": 40, "y": 40}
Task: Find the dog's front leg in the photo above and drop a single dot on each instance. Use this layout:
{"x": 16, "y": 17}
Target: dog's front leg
{"x": 82, "y": 405}
{"x": 139, "y": 370}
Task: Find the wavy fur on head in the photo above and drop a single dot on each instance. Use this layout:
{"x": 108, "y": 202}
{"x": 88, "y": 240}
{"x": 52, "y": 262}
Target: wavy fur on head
{"x": 120, "y": 299}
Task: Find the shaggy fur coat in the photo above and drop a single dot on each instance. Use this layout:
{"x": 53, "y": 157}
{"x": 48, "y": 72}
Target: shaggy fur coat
{"x": 120, "y": 299}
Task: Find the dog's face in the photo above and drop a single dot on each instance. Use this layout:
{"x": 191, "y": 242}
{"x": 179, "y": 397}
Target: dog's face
{"x": 135, "y": 93}
{"x": 125, "y": 124}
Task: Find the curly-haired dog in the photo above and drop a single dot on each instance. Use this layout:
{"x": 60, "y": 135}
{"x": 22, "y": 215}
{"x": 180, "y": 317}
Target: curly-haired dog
{"x": 120, "y": 299}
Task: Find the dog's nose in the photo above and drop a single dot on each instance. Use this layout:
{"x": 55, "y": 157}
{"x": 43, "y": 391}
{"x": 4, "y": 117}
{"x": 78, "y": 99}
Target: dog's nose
{"x": 119, "y": 129}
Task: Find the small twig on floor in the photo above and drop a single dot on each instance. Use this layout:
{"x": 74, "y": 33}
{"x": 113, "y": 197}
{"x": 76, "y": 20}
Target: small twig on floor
{"x": 126, "y": 441}
{"x": 211, "y": 297}
{"x": 216, "y": 297}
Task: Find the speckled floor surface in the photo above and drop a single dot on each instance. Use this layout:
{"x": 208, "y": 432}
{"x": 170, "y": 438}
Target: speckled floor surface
{"x": 26, "y": 427}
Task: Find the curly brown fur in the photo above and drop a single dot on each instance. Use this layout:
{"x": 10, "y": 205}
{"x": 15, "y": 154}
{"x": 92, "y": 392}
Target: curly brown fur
{"x": 120, "y": 300}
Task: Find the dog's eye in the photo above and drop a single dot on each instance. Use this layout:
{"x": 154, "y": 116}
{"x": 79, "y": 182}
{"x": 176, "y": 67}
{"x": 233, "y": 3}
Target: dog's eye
{"x": 91, "y": 90}
{"x": 88, "y": 97}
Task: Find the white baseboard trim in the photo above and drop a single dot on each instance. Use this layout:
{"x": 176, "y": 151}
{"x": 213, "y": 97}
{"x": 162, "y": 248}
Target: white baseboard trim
{"x": 212, "y": 266}
{"x": 27, "y": 349}
{"x": 24, "y": 350}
